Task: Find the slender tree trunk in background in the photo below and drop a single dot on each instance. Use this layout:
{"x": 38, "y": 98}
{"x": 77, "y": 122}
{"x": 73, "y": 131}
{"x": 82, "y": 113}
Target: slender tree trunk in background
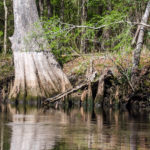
{"x": 49, "y": 8}
{"x": 78, "y": 13}
{"x": 137, "y": 51}
{"x": 5, "y": 28}
{"x": 37, "y": 74}
{"x": 106, "y": 32}
{"x": 137, "y": 17}
{"x": 83, "y": 20}
{"x": 79, "y": 22}
{"x": 41, "y": 7}
{"x": 62, "y": 10}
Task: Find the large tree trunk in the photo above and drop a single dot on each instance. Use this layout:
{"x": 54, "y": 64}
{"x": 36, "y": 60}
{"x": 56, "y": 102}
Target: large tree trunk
{"x": 37, "y": 74}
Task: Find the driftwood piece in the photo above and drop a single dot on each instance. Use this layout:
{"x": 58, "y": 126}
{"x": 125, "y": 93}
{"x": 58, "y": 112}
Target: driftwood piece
{"x": 100, "y": 92}
{"x": 90, "y": 95}
{"x": 87, "y": 93}
{"x": 84, "y": 95}
{"x": 101, "y": 86}
{"x": 70, "y": 91}
{"x": 59, "y": 96}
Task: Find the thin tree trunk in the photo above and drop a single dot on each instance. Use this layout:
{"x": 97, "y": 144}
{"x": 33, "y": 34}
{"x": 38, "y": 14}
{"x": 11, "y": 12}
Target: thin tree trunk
{"x": 37, "y": 74}
{"x": 62, "y": 10}
{"x": 137, "y": 51}
{"x": 49, "y": 8}
{"x": 41, "y": 7}
{"x": 78, "y": 13}
{"x": 5, "y": 28}
{"x": 83, "y": 20}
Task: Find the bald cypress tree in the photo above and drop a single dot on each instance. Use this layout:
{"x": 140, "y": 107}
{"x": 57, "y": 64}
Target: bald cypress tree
{"x": 37, "y": 73}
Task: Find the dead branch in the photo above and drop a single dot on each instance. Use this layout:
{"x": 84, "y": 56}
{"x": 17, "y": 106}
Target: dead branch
{"x": 122, "y": 70}
{"x": 136, "y": 35}
{"x": 72, "y": 26}
{"x": 90, "y": 79}
{"x": 70, "y": 91}
{"x": 59, "y": 96}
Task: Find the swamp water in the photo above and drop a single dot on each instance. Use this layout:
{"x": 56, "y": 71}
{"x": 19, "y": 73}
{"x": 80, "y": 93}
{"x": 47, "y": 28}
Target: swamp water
{"x": 29, "y": 128}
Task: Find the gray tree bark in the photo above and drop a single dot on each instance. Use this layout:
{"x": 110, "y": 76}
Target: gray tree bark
{"x": 83, "y": 20}
{"x": 37, "y": 74}
{"x": 5, "y": 28}
{"x": 49, "y": 8}
{"x": 137, "y": 51}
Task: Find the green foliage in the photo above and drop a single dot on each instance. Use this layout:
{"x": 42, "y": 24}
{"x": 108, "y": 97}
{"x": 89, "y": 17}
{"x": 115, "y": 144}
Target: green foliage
{"x": 106, "y": 31}
{"x": 1, "y": 33}
{"x": 59, "y": 38}
{"x": 117, "y": 30}
{"x": 64, "y": 39}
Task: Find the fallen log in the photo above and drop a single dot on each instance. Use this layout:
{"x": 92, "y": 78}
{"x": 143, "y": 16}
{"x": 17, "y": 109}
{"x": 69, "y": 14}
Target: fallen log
{"x": 59, "y": 96}
{"x": 54, "y": 99}
{"x": 90, "y": 79}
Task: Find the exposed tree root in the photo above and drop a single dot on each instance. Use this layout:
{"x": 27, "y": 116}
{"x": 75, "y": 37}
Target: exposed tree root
{"x": 89, "y": 84}
{"x": 109, "y": 90}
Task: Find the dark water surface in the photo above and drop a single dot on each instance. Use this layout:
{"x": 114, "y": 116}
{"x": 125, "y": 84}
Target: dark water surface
{"x": 28, "y": 128}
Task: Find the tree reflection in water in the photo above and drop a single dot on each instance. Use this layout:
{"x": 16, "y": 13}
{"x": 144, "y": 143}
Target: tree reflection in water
{"x": 26, "y": 128}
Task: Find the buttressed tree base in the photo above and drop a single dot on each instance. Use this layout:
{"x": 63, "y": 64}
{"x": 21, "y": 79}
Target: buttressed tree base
{"x": 37, "y": 73}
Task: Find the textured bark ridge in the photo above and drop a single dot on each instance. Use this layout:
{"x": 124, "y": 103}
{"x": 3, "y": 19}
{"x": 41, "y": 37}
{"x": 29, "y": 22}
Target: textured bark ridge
{"x": 37, "y": 74}
{"x": 137, "y": 51}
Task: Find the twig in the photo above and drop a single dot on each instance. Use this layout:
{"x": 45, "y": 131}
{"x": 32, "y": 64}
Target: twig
{"x": 136, "y": 35}
{"x": 123, "y": 72}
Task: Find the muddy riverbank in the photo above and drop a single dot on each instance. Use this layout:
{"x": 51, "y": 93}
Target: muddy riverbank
{"x": 116, "y": 89}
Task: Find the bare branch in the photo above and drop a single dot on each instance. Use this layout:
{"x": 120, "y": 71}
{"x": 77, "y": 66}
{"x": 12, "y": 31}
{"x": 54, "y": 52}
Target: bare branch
{"x": 102, "y": 26}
